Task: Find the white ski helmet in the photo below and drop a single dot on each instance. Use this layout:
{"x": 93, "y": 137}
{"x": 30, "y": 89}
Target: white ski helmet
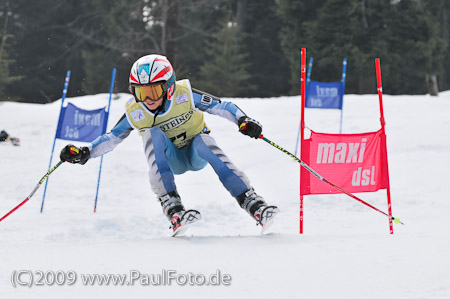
{"x": 151, "y": 69}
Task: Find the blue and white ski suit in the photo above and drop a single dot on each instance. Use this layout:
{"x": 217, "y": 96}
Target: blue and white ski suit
{"x": 176, "y": 139}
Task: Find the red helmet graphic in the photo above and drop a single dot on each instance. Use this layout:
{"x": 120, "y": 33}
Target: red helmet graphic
{"x": 153, "y": 69}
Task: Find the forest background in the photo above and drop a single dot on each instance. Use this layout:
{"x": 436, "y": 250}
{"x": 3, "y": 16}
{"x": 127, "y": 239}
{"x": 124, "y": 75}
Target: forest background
{"x": 229, "y": 48}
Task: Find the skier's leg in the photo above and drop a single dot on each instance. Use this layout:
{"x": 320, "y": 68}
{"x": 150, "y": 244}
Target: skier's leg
{"x": 234, "y": 180}
{"x": 164, "y": 160}
{"x": 252, "y": 203}
{"x": 157, "y": 148}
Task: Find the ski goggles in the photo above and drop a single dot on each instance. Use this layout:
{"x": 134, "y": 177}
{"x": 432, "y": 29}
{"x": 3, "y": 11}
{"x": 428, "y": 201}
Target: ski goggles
{"x": 152, "y": 92}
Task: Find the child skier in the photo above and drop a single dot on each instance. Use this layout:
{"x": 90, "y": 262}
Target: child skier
{"x": 169, "y": 116}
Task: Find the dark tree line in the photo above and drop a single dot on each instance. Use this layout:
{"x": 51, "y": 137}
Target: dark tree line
{"x": 410, "y": 37}
{"x": 245, "y": 48}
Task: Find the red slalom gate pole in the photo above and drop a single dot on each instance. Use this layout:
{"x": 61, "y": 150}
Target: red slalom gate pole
{"x": 302, "y": 121}
{"x": 32, "y": 192}
{"x": 383, "y": 123}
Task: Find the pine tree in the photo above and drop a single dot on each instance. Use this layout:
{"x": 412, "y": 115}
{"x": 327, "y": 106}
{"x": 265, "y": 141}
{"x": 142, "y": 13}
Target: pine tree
{"x": 296, "y": 17}
{"x": 225, "y": 73}
{"x": 5, "y": 77}
{"x": 259, "y": 26}
{"x": 420, "y": 52}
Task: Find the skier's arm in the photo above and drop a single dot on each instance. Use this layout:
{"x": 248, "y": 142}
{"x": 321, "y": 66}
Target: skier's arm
{"x": 213, "y": 105}
{"x": 103, "y": 144}
{"x": 107, "y": 142}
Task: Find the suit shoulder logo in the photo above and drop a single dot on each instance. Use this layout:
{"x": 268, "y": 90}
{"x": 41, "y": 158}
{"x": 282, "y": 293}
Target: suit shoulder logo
{"x": 206, "y": 100}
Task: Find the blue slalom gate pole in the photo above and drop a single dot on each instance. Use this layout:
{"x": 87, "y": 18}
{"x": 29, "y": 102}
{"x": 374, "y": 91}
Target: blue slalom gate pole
{"x": 344, "y": 75}
{"x": 66, "y": 86}
{"x": 308, "y": 79}
{"x": 113, "y": 76}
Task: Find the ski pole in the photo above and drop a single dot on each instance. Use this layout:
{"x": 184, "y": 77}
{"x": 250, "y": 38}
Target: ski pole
{"x": 34, "y": 190}
{"x": 307, "y": 167}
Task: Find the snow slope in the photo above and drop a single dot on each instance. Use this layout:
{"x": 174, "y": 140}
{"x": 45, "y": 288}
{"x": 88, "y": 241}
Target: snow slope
{"x": 346, "y": 251}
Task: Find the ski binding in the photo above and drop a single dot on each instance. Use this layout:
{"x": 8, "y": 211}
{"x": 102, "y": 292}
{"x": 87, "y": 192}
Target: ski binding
{"x": 267, "y": 217}
{"x": 189, "y": 217}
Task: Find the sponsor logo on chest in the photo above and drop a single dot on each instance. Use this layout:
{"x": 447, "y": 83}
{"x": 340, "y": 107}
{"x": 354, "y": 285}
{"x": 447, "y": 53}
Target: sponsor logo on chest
{"x": 137, "y": 115}
{"x": 182, "y": 99}
{"x": 176, "y": 121}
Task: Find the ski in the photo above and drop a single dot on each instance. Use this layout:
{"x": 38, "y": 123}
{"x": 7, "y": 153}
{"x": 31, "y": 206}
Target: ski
{"x": 189, "y": 217}
{"x": 267, "y": 217}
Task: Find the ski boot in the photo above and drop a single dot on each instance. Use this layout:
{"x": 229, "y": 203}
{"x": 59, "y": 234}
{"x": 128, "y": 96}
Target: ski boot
{"x": 257, "y": 208}
{"x": 174, "y": 210}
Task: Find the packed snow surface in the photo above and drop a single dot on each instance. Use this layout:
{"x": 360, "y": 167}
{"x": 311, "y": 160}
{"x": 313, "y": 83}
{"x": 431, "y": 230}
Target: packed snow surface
{"x": 345, "y": 252}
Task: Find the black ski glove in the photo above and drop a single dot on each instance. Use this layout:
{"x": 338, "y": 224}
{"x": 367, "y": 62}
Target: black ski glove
{"x": 72, "y": 154}
{"x": 250, "y": 127}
